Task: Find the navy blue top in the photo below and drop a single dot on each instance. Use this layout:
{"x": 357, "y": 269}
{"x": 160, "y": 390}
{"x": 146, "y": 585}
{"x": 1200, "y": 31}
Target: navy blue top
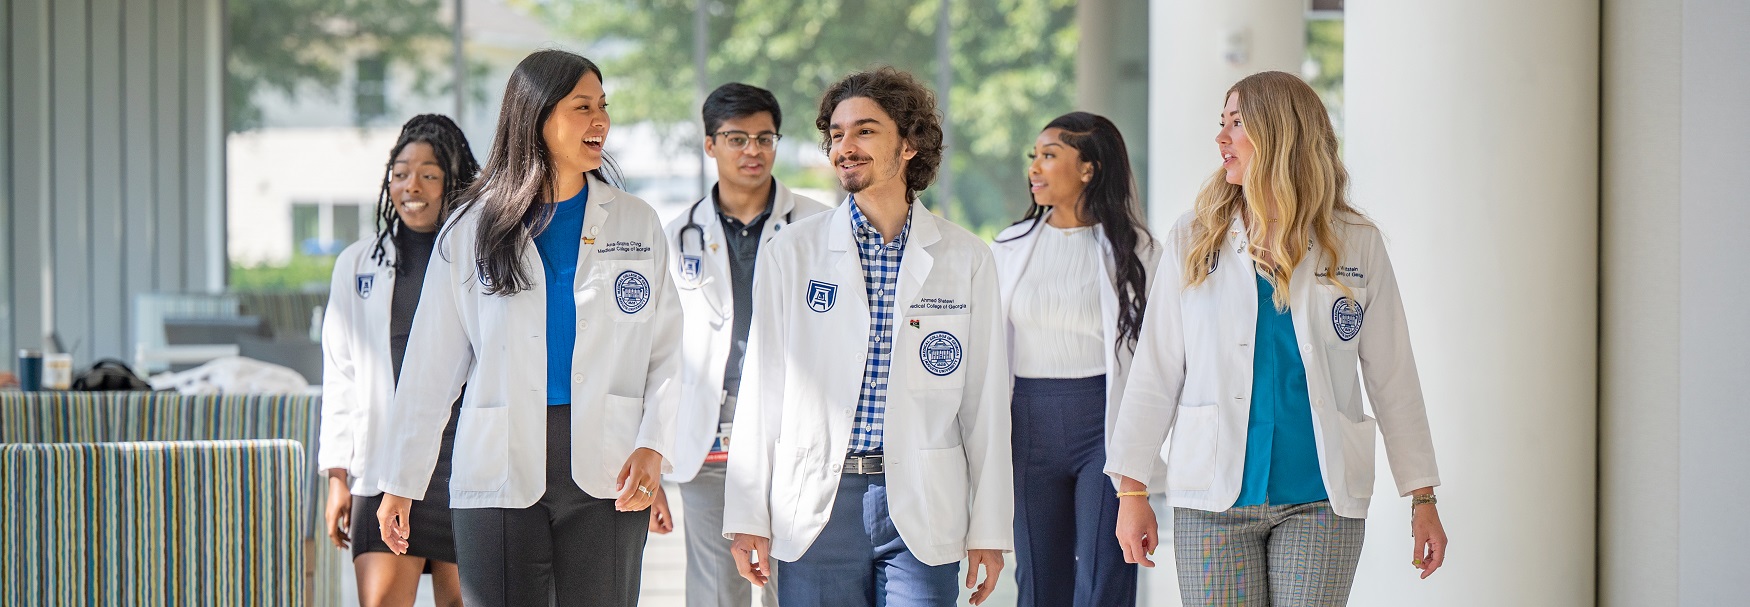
{"x": 1282, "y": 462}
{"x": 558, "y": 246}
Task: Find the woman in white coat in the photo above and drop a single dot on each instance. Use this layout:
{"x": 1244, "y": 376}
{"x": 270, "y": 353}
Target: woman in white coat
{"x": 371, "y": 303}
{"x": 1268, "y": 297}
{"x": 1074, "y": 276}
{"x": 549, "y": 299}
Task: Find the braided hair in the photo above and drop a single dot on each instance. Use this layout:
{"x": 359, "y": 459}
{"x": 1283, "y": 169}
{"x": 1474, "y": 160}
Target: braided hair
{"x": 453, "y": 156}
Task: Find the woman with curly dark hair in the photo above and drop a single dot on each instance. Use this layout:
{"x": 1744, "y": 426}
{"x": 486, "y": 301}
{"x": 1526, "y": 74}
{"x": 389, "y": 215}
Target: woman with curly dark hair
{"x": 371, "y": 305}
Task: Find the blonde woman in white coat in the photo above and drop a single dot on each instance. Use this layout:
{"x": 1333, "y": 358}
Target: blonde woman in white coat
{"x": 1074, "y": 277}
{"x": 1268, "y": 297}
{"x": 371, "y": 302}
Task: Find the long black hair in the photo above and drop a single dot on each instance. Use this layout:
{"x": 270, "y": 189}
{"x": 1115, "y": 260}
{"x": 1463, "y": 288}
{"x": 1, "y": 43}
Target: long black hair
{"x": 1109, "y": 198}
{"x": 454, "y": 157}
{"x": 519, "y": 170}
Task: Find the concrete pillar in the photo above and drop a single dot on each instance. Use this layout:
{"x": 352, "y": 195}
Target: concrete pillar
{"x": 1473, "y": 142}
{"x": 1197, "y": 49}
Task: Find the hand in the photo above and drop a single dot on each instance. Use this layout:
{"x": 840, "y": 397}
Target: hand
{"x": 743, "y": 551}
{"x": 1138, "y": 531}
{"x": 661, "y": 520}
{"x": 338, "y": 513}
{"x": 639, "y": 480}
{"x": 992, "y": 560}
{"x": 392, "y": 522}
{"x": 1429, "y": 551}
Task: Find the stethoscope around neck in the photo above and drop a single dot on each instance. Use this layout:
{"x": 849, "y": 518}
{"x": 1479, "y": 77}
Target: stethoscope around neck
{"x": 692, "y": 264}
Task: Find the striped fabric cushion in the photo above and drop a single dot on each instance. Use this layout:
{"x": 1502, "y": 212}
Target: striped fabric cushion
{"x": 153, "y": 523}
{"x": 70, "y": 417}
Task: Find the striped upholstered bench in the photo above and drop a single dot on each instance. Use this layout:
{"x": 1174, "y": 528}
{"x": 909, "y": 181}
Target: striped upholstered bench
{"x": 153, "y": 523}
{"x": 78, "y": 417}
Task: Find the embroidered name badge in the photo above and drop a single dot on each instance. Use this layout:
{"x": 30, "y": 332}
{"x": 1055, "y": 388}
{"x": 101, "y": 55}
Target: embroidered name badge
{"x": 1346, "y": 318}
{"x": 631, "y": 291}
{"x": 363, "y": 283}
{"x": 940, "y": 353}
{"x": 690, "y": 265}
{"x": 821, "y": 296}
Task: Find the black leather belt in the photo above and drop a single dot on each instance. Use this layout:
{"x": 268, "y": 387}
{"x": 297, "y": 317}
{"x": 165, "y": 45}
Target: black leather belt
{"x": 864, "y": 464}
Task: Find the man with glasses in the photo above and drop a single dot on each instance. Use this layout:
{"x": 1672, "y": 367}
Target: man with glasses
{"x": 714, "y": 250}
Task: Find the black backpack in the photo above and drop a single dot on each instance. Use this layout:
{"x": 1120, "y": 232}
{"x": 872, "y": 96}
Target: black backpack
{"x": 109, "y": 375}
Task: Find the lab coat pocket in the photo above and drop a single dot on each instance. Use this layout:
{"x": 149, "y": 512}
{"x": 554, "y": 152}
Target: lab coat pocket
{"x": 481, "y": 459}
{"x": 946, "y": 480}
{"x": 1358, "y": 445}
{"x": 790, "y": 466}
{"x": 618, "y": 433}
{"x": 1340, "y": 317}
{"x": 1191, "y": 458}
{"x": 629, "y": 285}
{"x": 935, "y": 347}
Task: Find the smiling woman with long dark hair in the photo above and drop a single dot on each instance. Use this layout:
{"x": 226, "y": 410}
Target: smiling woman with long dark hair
{"x": 1074, "y": 274}
{"x": 549, "y": 299}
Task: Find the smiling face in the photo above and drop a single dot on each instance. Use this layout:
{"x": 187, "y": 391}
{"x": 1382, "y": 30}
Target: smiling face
{"x": 751, "y": 166}
{"x": 1236, "y": 148}
{"x": 866, "y": 149}
{"x": 1057, "y": 174}
{"x": 578, "y": 127}
{"x": 416, "y": 186}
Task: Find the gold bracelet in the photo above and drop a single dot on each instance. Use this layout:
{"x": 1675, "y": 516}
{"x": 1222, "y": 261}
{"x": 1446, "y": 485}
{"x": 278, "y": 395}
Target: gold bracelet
{"x": 1132, "y": 494}
{"x": 1417, "y": 500}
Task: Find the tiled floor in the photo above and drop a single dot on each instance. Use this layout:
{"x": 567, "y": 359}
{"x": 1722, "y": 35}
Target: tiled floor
{"x": 665, "y": 563}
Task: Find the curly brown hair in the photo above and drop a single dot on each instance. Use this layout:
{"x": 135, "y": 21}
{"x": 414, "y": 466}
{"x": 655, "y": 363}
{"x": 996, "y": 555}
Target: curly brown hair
{"x": 913, "y": 108}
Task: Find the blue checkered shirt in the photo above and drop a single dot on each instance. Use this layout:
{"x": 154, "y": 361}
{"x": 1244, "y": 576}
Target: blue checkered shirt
{"x": 880, "y": 281}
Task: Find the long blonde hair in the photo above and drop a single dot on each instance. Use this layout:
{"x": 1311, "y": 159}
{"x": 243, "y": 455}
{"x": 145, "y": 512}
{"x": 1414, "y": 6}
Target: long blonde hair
{"x": 1294, "y": 173}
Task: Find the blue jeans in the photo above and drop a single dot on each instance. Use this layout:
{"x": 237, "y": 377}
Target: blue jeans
{"x": 859, "y": 560}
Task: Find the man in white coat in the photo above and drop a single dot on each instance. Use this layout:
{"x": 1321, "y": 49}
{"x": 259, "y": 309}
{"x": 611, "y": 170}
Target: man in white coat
{"x": 870, "y": 450}
{"x": 715, "y": 249}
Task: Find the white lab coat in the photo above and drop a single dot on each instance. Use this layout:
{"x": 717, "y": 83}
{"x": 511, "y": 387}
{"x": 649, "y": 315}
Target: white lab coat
{"x": 358, "y": 378}
{"x": 1014, "y": 248}
{"x": 700, "y": 269}
{"x": 624, "y": 359}
{"x": 1193, "y": 375}
{"x": 946, "y": 442}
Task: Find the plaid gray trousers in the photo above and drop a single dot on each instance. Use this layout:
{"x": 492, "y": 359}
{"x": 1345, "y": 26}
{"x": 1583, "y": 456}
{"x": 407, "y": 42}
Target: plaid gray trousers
{"x": 1302, "y": 555}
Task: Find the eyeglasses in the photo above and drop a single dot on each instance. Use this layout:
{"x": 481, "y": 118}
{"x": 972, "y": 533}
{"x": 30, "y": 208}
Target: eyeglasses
{"x": 738, "y": 140}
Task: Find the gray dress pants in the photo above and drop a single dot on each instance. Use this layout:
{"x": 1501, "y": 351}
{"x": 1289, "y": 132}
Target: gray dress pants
{"x": 712, "y": 579}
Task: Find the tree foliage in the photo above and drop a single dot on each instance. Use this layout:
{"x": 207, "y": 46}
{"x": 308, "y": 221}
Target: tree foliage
{"x": 288, "y": 45}
{"x": 1012, "y": 64}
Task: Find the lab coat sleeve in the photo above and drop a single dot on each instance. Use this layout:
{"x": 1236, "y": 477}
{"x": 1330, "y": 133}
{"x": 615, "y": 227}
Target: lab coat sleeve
{"x": 340, "y": 398}
{"x": 759, "y": 408}
{"x": 662, "y": 379}
{"x": 439, "y": 356}
{"x": 1389, "y": 370}
{"x": 984, "y": 419}
{"x": 1157, "y": 378}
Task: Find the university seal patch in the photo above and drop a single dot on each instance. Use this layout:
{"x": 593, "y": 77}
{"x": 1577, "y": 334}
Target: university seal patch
{"x": 1346, "y": 318}
{"x": 940, "y": 353}
{"x": 631, "y": 291}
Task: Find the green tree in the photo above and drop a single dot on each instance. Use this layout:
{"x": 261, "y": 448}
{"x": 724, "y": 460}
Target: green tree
{"x": 285, "y": 45}
{"x": 1012, "y": 65}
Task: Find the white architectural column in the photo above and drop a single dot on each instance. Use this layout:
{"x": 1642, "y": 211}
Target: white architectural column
{"x": 1197, "y": 49}
{"x": 1473, "y": 141}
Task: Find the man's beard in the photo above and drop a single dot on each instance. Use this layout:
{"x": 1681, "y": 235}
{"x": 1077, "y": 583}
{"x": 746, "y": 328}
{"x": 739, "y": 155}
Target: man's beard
{"x": 858, "y": 184}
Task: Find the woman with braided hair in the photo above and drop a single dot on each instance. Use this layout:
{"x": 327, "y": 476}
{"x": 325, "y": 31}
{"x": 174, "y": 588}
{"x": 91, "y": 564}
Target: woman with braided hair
{"x": 371, "y": 302}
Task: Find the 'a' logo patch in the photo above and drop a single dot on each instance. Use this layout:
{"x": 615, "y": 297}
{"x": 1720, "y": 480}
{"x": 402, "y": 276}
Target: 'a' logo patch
{"x": 821, "y": 295}
{"x": 690, "y": 267}
{"x": 363, "y": 283}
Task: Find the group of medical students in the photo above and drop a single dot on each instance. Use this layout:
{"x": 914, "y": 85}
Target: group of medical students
{"x": 863, "y": 404}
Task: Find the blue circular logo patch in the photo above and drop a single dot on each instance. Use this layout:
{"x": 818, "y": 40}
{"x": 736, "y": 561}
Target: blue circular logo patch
{"x": 631, "y": 291}
{"x": 940, "y": 353}
{"x": 1346, "y": 318}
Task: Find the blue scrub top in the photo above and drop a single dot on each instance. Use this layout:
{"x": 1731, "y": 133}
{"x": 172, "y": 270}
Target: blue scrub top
{"x": 558, "y": 246}
{"x": 1282, "y": 462}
